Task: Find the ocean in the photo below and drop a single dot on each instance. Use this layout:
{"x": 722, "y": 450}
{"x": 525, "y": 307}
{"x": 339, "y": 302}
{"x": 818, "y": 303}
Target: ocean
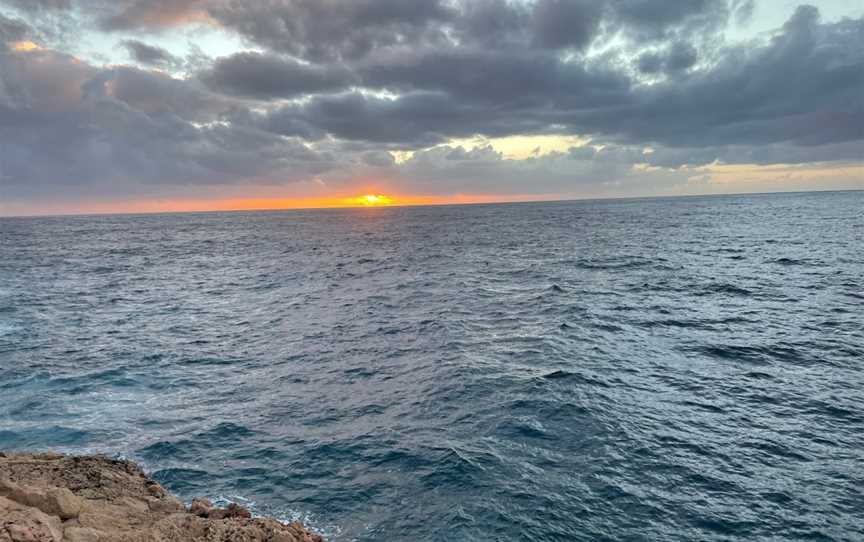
{"x": 646, "y": 369}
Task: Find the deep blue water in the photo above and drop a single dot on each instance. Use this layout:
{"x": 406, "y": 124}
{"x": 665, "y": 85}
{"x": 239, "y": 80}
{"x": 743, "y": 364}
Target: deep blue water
{"x": 662, "y": 369}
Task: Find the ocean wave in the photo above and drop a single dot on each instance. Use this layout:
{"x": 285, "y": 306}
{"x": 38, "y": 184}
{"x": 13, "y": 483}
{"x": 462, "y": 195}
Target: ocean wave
{"x": 486, "y": 372}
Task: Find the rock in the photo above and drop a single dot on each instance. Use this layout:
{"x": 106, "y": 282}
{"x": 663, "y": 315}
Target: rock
{"x": 62, "y": 503}
{"x": 168, "y": 504}
{"x": 80, "y": 534}
{"x": 231, "y": 511}
{"x": 54, "y": 498}
{"x": 154, "y": 488}
{"x": 201, "y": 507}
{"x": 22, "y": 523}
{"x": 53, "y": 501}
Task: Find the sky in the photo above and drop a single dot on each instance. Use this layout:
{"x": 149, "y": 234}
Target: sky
{"x": 182, "y": 105}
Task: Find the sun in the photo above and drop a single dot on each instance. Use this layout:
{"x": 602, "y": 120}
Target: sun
{"x": 373, "y": 200}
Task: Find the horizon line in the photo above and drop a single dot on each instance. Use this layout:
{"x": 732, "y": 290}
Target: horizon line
{"x": 413, "y": 205}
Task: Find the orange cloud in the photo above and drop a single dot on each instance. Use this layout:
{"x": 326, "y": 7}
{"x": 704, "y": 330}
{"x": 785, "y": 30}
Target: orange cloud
{"x": 162, "y": 15}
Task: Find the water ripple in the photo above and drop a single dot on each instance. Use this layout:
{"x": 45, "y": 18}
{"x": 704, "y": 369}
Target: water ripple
{"x": 625, "y": 370}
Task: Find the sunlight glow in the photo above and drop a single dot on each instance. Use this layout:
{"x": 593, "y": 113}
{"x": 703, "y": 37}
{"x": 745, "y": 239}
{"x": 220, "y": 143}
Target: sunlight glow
{"x": 264, "y": 203}
{"x": 24, "y": 46}
{"x": 370, "y": 200}
{"x": 520, "y": 147}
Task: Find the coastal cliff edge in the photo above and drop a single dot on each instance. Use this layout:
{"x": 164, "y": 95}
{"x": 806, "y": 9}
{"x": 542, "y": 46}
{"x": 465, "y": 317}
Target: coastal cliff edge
{"x": 57, "y": 498}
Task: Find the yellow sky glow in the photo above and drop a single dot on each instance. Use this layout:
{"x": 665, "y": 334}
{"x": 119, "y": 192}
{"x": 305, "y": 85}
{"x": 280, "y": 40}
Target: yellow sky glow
{"x": 519, "y": 147}
{"x": 716, "y": 178}
{"x": 180, "y": 205}
{"x": 369, "y": 200}
{"x": 783, "y": 174}
{"x": 25, "y": 46}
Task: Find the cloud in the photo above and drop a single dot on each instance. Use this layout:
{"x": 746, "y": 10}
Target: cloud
{"x": 37, "y": 5}
{"x": 152, "y": 14}
{"x": 71, "y": 127}
{"x": 42, "y": 82}
{"x": 560, "y": 24}
{"x": 154, "y": 92}
{"x": 652, "y": 20}
{"x": 328, "y": 30}
{"x": 445, "y": 169}
{"x": 333, "y": 30}
{"x": 12, "y": 30}
{"x": 151, "y": 55}
{"x": 333, "y": 87}
{"x": 677, "y": 57}
{"x": 414, "y": 120}
{"x": 802, "y": 88}
{"x": 261, "y": 76}
{"x": 502, "y": 78}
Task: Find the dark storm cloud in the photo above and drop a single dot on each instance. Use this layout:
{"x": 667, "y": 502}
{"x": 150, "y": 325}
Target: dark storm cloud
{"x": 258, "y": 75}
{"x": 148, "y": 54}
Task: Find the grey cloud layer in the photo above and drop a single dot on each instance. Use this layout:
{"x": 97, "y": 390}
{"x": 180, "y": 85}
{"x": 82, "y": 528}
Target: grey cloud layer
{"x": 68, "y": 124}
{"x": 11, "y": 30}
{"x": 256, "y": 75}
{"x": 338, "y": 82}
{"x": 151, "y": 55}
{"x": 338, "y": 29}
{"x": 804, "y": 87}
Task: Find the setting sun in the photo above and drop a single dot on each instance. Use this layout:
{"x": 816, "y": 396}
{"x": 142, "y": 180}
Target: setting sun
{"x": 371, "y": 200}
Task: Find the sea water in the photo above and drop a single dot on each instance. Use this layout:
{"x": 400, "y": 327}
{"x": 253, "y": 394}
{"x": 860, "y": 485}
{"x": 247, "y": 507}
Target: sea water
{"x": 654, "y": 369}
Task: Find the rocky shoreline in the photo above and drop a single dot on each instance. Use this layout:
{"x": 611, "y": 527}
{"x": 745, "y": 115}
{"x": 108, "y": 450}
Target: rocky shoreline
{"x": 57, "y": 498}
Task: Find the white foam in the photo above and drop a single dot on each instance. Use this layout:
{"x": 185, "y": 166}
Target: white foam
{"x": 286, "y": 515}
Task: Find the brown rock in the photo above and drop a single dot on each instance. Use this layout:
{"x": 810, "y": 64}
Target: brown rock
{"x": 231, "y": 511}
{"x": 168, "y": 504}
{"x": 54, "y": 498}
{"x": 53, "y": 501}
{"x": 62, "y": 503}
{"x": 80, "y": 534}
{"x": 201, "y": 507}
{"x": 22, "y": 523}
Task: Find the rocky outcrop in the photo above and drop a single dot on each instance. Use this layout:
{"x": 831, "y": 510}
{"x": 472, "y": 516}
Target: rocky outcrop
{"x": 55, "y": 498}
